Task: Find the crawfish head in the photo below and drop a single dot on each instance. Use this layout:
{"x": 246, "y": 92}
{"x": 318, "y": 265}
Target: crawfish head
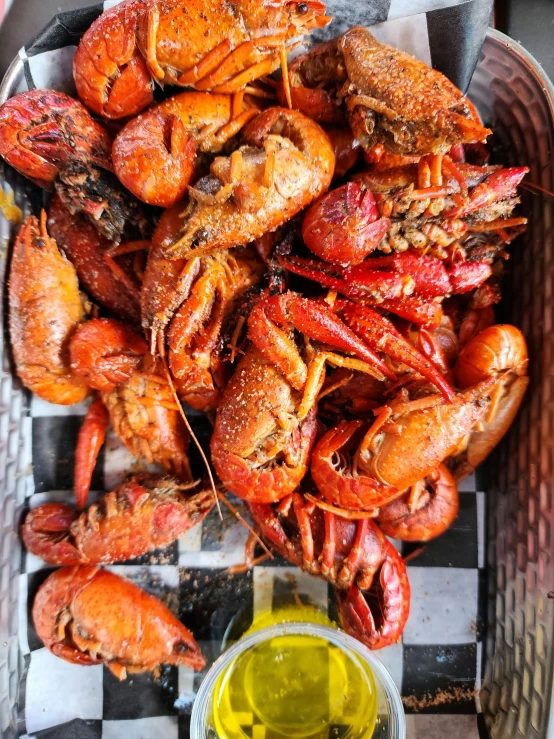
{"x": 99, "y": 195}
{"x": 106, "y": 353}
{"x": 43, "y": 131}
{"x": 497, "y": 349}
{"x": 343, "y": 226}
{"x": 287, "y": 161}
{"x": 90, "y": 616}
{"x": 381, "y": 79}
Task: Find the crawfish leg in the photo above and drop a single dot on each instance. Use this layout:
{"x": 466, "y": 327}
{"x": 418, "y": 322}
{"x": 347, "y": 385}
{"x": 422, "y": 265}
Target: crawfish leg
{"x": 249, "y": 61}
{"x": 214, "y": 140}
{"x": 329, "y": 543}
{"x": 382, "y": 417}
{"x": 151, "y": 42}
{"x": 130, "y": 247}
{"x": 303, "y": 512}
{"x": 316, "y": 376}
{"x": 207, "y": 65}
{"x": 351, "y": 563}
{"x": 89, "y": 442}
{"x": 190, "y": 318}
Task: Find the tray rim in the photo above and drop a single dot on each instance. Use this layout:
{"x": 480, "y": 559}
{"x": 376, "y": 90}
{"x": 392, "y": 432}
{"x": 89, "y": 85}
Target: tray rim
{"x": 17, "y": 67}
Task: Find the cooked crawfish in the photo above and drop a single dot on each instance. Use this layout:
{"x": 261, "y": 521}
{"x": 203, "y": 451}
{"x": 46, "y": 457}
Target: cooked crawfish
{"x": 154, "y": 155}
{"x": 142, "y": 514}
{"x": 114, "y": 285}
{"x": 340, "y": 550}
{"x": 425, "y": 512}
{"x": 45, "y": 309}
{"x": 196, "y": 335}
{"x": 438, "y": 203}
{"x": 286, "y": 162}
{"x": 377, "y": 616}
{"x": 391, "y": 99}
{"x": 357, "y": 466}
{"x": 260, "y": 447}
{"x": 217, "y": 47}
{"x": 42, "y": 131}
{"x": 89, "y": 616}
{"x": 265, "y": 424}
{"x": 113, "y": 359}
{"x": 51, "y": 138}
{"x": 189, "y": 305}
{"x": 499, "y": 352}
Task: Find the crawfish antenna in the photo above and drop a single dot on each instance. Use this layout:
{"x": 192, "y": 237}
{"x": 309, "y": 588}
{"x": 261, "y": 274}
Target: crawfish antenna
{"x": 286, "y": 79}
{"x": 245, "y": 523}
{"x": 193, "y": 435}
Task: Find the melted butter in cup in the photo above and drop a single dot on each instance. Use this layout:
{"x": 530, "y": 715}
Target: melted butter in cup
{"x": 297, "y": 680}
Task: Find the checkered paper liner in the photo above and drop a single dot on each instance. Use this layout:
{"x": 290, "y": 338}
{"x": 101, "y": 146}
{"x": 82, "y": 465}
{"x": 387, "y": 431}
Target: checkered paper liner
{"x": 441, "y": 650}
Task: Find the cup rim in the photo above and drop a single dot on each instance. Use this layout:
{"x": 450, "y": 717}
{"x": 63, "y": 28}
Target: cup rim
{"x": 338, "y": 638}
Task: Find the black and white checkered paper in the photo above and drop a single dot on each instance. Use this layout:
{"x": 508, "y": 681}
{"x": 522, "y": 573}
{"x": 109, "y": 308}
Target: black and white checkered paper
{"x": 440, "y": 653}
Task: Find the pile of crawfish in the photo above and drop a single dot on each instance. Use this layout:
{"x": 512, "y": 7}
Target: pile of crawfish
{"x": 312, "y": 261}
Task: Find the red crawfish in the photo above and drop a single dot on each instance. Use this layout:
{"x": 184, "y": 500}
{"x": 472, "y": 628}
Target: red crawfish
{"x": 286, "y": 162}
{"x": 45, "y": 309}
{"x": 216, "y": 47}
{"x": 141, "y": 514}
{"x": 89, "y": 616}
{"x": 356, "y": 465}
{"x": 265, "y": 424}
{"x": 390, "y": 99}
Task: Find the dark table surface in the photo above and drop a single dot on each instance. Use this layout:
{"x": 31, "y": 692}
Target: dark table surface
{"x": 529, "y": 21}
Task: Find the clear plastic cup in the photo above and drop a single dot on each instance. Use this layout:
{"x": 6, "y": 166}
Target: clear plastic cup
{"x": 389, "y": 720}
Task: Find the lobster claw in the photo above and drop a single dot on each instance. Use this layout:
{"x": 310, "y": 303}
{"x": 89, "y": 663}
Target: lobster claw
{"x": 377, "y": 616}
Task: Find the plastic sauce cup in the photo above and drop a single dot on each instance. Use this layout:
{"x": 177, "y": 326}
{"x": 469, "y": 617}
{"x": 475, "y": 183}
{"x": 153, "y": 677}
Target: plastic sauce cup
{"x": 259, "y": 660}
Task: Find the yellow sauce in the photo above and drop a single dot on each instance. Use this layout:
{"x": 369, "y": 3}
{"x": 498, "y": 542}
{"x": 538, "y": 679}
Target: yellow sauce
{"x": 295, "y": 686}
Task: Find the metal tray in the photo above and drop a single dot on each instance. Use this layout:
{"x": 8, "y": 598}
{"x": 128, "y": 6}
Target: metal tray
{"x": 517, "y": 99}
